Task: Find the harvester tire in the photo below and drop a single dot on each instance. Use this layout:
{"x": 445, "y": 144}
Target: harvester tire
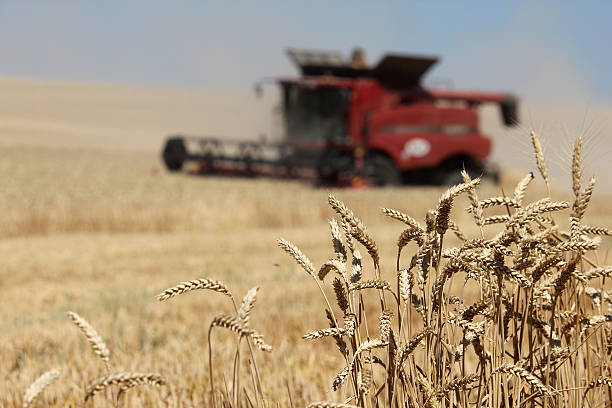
{"x": 380, "y": 170}
{"x": 450, "y": 174}
{"x": 333, "y": 166}
{"x": 174, "y": 154}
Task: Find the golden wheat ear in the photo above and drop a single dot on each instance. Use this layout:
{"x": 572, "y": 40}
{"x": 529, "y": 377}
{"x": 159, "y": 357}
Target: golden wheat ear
{"x": 341, "y": 297}
{"x": 39, "y": 386}
{"x": 456, "y": 384}
{"x": 357, "y": 228}
{"x": 188, "y": 286}
{"x": 317, "y": 334}
{"x": 248, "y": 303}
{"x": 95, "y": 340}
{"x": 339, "y": 248}
{"x": 236, "y": 326}
{"x": 527, "y": 376}
{"x": 475, "y": 202}
{"x": 125, "y": 380}
{"x": 329, "y": 404}
{"x": 298, "y": 255}
{"x": 445, "y": 204}
{"x": 405, "y": 218}
{"x": 385, "y": 325}
{"x": 600, "y": 382}
{"x": 521, "y": 187}
{"x": 577, "y": 167}
{"x": 539, "y": 156}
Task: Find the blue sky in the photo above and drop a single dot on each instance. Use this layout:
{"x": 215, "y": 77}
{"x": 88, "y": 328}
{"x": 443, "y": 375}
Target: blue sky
{"x": 543, "y": 50}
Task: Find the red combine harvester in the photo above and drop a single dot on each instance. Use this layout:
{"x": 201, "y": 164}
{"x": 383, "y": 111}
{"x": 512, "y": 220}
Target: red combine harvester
{"x": 347, "y": 124}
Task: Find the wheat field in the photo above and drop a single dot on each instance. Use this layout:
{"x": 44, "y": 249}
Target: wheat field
{"x": 102, "y": 232}
{"x": 113, "y": 233}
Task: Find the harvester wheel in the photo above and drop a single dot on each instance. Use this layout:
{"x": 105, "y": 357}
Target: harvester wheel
{"x": 333, "y": 166}
{"x": 450, "y": 173}
{"x": 450, "y": 178}
{"x": 174, "y": 153}
{"x": 381, "y": 171}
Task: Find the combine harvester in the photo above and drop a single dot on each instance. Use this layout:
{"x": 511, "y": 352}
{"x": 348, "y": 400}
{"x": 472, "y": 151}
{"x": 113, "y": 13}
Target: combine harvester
{"x": 348, "y": 124}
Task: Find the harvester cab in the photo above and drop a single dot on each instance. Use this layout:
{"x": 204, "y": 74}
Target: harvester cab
{"x": 346, "y": 121}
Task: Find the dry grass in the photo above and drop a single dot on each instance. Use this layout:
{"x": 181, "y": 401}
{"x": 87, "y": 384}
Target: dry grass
{"x": 113, "y": 234}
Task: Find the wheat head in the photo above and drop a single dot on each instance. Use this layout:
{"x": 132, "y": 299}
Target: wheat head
{"x": 38, "y": 386}
{"x": 125, "y": 380}
{"x": 94, "y": 339}
{"x": 188, "y": 286}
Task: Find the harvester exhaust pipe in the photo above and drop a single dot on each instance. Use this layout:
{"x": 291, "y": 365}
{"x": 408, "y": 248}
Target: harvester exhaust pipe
{"x": 509, "y": 110}
{"x": 174, "y": 153}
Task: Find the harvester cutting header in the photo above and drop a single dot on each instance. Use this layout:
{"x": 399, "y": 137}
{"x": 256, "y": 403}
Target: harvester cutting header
{"x": 348, "y": 123}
